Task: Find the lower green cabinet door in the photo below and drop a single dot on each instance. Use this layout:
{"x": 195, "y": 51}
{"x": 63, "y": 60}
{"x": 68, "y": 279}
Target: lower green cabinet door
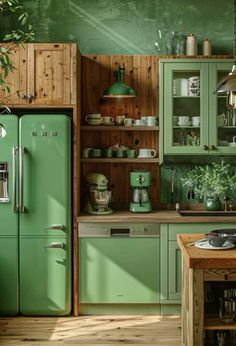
{"x": 45, "y": 275}
{"x": 175, "y": 275}
{"x": 121, "y": 270}
{"x": 171, "y": 262}
{"x": 9, "y": 275}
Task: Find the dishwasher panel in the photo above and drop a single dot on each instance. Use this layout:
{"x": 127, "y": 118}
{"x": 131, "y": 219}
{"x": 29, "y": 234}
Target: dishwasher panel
{"x": 117, "y": 267}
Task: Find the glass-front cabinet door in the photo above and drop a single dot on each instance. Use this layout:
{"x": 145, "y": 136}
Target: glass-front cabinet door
{"x": 222, "y": 132}
{"x": 185, "y": 108}
{"x": 194, "y": 119}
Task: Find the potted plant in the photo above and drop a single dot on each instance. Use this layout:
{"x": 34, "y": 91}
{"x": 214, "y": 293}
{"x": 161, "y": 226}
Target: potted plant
{"x": 210, "y": 183}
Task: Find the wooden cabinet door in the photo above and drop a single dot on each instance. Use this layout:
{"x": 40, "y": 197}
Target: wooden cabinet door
{"x": 17, "y": 79}
{"x": 52, "y": 73}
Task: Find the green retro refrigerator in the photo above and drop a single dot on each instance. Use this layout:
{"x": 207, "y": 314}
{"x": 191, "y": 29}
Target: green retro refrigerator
{"x": 36, "y": 157}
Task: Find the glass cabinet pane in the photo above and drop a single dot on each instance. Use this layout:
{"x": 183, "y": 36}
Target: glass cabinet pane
{"x": 186, "y": 108}
{"x": 226, "y": 118}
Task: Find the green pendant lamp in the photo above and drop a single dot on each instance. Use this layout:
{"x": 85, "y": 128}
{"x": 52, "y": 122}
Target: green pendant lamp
{"x": 119, "y": 89}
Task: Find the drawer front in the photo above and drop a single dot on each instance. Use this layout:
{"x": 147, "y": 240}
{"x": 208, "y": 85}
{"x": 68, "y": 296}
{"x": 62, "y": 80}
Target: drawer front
{"x": 179, "y": 228}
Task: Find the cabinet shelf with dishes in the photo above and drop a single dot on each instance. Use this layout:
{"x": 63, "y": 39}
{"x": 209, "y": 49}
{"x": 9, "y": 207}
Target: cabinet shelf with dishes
{"x": 188, "y": 93}
{"x": 141, "y": 74}
{"x": 121, "y": 160}
{"x": 105, "y": 144}
{"x": 120, "y": 128}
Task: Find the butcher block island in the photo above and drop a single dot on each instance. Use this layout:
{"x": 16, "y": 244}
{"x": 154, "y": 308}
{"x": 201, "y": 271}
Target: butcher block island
{"x": 207, "y": 276}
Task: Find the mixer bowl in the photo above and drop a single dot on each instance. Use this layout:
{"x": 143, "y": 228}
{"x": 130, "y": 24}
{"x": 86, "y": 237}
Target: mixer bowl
{"x": 99, "y": 199}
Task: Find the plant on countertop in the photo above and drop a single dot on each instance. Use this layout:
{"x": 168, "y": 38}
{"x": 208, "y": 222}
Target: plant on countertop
{"x": 211, "y": 181}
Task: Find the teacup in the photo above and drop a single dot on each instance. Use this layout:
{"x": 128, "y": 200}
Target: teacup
{"x": 106, "y": 120}
{"x": 86, "y": 152}
{"x": 180, "y": 87}
{"x": 194, "y": 86}
{"x": 221, "y": 120}
{"x": 195, "y": 121}
{"x": 129, "y": 121}
{"x": 120, "y": 152}
{"x": 151, "y": 120}
{"x": 144, "y": 118}
{"x": 131, "y": 153}
{"x": 120, "y": 119}
{"x": 108, "y": 152}
{"x": 96, "y": 153}
{"x": 147, "y": 153}
{"x": 183, "y": 120}
{"x": 139, "y": 122}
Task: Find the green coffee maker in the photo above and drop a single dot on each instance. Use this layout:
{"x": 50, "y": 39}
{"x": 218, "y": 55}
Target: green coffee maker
{"x": 140, "y": 182}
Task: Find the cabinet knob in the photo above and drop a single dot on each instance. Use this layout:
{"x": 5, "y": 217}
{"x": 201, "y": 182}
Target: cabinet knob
{"x": 213, "y": 147}
{"x": 205, "y": 147}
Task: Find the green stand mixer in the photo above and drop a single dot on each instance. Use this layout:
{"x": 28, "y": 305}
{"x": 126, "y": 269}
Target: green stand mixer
{"x": 98, "y": 195}
{"x": 140, "y": 182}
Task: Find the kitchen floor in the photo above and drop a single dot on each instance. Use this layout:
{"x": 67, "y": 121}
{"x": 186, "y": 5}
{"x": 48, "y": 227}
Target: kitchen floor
{"x": 91, "y": 330}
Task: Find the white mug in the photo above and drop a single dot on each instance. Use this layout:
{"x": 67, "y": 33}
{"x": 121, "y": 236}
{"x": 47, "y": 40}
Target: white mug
{"x": 221, "y": 121}
{"x": 195, "y": 121}
{"x": 180, "y": 87}
{"x": 147, "y": 153}
{"x": 151, "y": 121}
{"x": 107, "y": 120}
{"x": 139, "y": 122}
{"x": 120, "y": 119}
{"x": 183, "y": 120}
{"x": 194, "y": 86}
{"x": 129, "y": 121}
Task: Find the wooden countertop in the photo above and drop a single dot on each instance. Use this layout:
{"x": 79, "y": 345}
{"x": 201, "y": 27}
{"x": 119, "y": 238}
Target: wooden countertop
{"x": 162, "y": 216}
{"x": 204, "y": 259}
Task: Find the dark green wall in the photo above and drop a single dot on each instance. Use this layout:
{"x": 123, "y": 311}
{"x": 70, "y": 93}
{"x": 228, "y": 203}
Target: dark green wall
{"x": 130, "y": 26}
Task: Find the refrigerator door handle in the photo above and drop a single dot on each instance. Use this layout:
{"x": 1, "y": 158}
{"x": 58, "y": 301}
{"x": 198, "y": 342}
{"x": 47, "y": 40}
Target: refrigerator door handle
{"x": 14, "y": 153}
{"x": 55, "y": 227}
{"x": 21, "y": 172}
{"x": 55, "y": 245}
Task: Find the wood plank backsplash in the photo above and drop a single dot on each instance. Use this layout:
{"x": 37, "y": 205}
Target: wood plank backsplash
{"x": 141, "y": 72}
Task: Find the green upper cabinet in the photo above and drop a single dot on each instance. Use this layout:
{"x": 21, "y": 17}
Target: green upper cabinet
{"x": 193, "y": 119}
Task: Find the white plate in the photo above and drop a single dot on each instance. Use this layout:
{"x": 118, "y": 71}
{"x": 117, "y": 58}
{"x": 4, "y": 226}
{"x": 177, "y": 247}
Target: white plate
{"x": 183, "y": 125}
{"x": 205, "y": 245}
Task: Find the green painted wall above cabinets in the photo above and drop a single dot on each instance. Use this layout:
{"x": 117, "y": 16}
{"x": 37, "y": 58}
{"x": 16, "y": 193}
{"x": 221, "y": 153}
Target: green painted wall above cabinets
{"x": 130, "y": 26}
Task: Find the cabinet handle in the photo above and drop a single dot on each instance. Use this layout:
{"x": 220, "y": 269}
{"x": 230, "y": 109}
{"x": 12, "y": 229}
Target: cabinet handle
{"x": 14, "y": 153}
{"x": 205, "y": 147}
{"x": 54, "y": 245}
{"x": 55, "y": 227}
{"x": 213, "y": 147}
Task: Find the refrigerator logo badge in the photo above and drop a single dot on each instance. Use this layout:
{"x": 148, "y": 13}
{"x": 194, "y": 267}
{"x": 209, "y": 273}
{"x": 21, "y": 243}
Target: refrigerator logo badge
{"x": 44, "y": 133}
{"x": 3, "y": 132}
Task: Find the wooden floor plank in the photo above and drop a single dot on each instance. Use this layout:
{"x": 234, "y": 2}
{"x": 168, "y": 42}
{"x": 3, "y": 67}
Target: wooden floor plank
{"x": 91, "y": 331}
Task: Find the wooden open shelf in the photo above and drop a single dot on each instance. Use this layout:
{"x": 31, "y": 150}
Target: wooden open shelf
{"x": 119, "y": 128}
{"x": 121, "y": 160}
{"x": 214, "y": 323}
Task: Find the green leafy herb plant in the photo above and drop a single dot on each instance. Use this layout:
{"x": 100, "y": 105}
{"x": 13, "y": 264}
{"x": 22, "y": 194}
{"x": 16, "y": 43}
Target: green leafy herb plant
{"x": 213, "y": 180}
{"x": 14, "y": 39}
